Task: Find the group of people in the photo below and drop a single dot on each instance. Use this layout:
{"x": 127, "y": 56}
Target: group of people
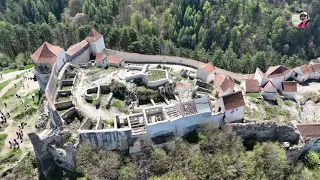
{"x": 15, "y": 143}
{"x": 3, "y": 118}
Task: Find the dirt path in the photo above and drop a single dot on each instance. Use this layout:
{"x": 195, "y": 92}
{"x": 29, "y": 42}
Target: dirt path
{"x": 11, "y": 131}
{"x": 11, "y": 75}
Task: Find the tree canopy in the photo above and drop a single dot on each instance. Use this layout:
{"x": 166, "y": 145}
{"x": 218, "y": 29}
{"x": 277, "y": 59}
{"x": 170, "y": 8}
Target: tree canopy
{"x": 237, "y": 35}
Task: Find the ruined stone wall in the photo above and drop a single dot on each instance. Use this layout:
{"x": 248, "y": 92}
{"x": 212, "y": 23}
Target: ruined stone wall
{"x": 50, "y": 95}
{"x": 63, "y": 105}
{"x": 265, "y": 131}
{"x": 63, "y": 157}
{"x": 87, "y": 124}
{"x": 109, "y": 139}
{"x": 45, "y": 157}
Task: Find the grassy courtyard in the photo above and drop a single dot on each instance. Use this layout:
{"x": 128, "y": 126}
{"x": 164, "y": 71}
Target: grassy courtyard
{"x": 155, "y": 75}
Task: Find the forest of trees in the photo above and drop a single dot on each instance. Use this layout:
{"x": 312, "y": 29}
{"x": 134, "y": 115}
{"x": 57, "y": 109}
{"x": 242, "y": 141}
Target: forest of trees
{"x": 211, "y": 154}
{"x": 237, "y": 35}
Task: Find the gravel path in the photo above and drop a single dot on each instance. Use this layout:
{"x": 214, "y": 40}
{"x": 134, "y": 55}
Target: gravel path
{"x": 11, "y": 75}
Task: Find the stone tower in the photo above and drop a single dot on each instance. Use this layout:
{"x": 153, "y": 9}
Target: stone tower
{"x": 96, "y": 42}
{"x": 44, "y": 60}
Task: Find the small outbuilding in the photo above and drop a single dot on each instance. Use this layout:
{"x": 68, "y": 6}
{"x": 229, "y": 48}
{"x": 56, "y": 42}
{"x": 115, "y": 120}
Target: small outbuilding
{"x": 223, "y": 85}
{"x": 269, "y": 91}
{"x": 115, "y": 61}
{"x": 206, "y": 73}
{"x": 289, "y": 89}
{"x": 251, "y": 86}
{"x": 101, "y": 60}
{"x": 232, "y": 105}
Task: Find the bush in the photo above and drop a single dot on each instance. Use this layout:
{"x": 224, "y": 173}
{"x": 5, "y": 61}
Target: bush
{"x": 160, "y": 161}
{"x": 311, "y": 160}
{"x": 97, "y": 164}
{"x": 128, "y": 172}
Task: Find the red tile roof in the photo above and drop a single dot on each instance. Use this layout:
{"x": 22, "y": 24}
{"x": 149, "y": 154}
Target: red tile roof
{"x": 310, "y": 69}
{"x": 93, "y": 36}
{"x": 233, "y": 100}
{"x": 268, "y": 85}
{"x": 46, "y": 53}
{"x": 252, "y": 85}
{"x": 209, "y": 68}
{"x": 316, "y": 67}
{"x": 289, "y": 86}
{"x": 218, "y": 78}
{"x": 304, "y": 70}
{"x": 100, "y": 57}
{"x": 114, "y": 60}
{"x": 224, "y": 82}
{"x": 277, "y": 71}
{"x": 77, "y": 47}
{"x": 308, "y": 131}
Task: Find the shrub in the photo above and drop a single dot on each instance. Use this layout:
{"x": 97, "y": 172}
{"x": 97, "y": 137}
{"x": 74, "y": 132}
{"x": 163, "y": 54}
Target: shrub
{"x": 311, "y": 160}
{"x": 288, "y": 103}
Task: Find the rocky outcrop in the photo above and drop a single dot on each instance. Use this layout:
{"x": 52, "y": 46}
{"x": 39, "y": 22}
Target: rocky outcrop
{"x": 265, "y": 131}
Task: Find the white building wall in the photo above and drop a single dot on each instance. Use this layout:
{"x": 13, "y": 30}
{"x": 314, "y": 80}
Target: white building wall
{"x": 219, "y": 103}
{"x": 202, "y": 75}
{"x": 277, "y": 82}
{"x": 61, "y": 59}
{"x": 234, "y": 114}
{"x": 210, "y": 77}
{"x": 182, "y": 125}
{"x": 98, "y": 46}
{"x": 300, "y": 78}
{"x": 259, "y": 76}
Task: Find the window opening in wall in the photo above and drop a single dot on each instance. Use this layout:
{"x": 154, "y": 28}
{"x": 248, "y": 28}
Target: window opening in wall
{"x": 296, "y": 75}
{"x": 219, "y": 110}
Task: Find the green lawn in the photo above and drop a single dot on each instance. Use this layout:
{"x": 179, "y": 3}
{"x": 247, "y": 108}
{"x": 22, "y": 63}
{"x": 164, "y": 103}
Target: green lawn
{"x": 4, "y": 84}
{"x": 156, "y": 75}
{"x": 66, "y": 87}
{"x": 120, "y": 106}
{"x": 253, "y": 95}
{"x": 29, "y": 66}
{"x": 12, "y": 91}
{"x": 19, "y": 112}
{"x": 2, "y": 140}
{"x": 62, "y": 99}
{"x": 12, "y": 156}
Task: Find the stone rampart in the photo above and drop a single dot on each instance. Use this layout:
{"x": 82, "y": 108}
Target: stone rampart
{"x": 154, "y": 59}
{"x": 50, "y": 96}
{"x": 265, "y": 131}
{"x": 109, "y": 139}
